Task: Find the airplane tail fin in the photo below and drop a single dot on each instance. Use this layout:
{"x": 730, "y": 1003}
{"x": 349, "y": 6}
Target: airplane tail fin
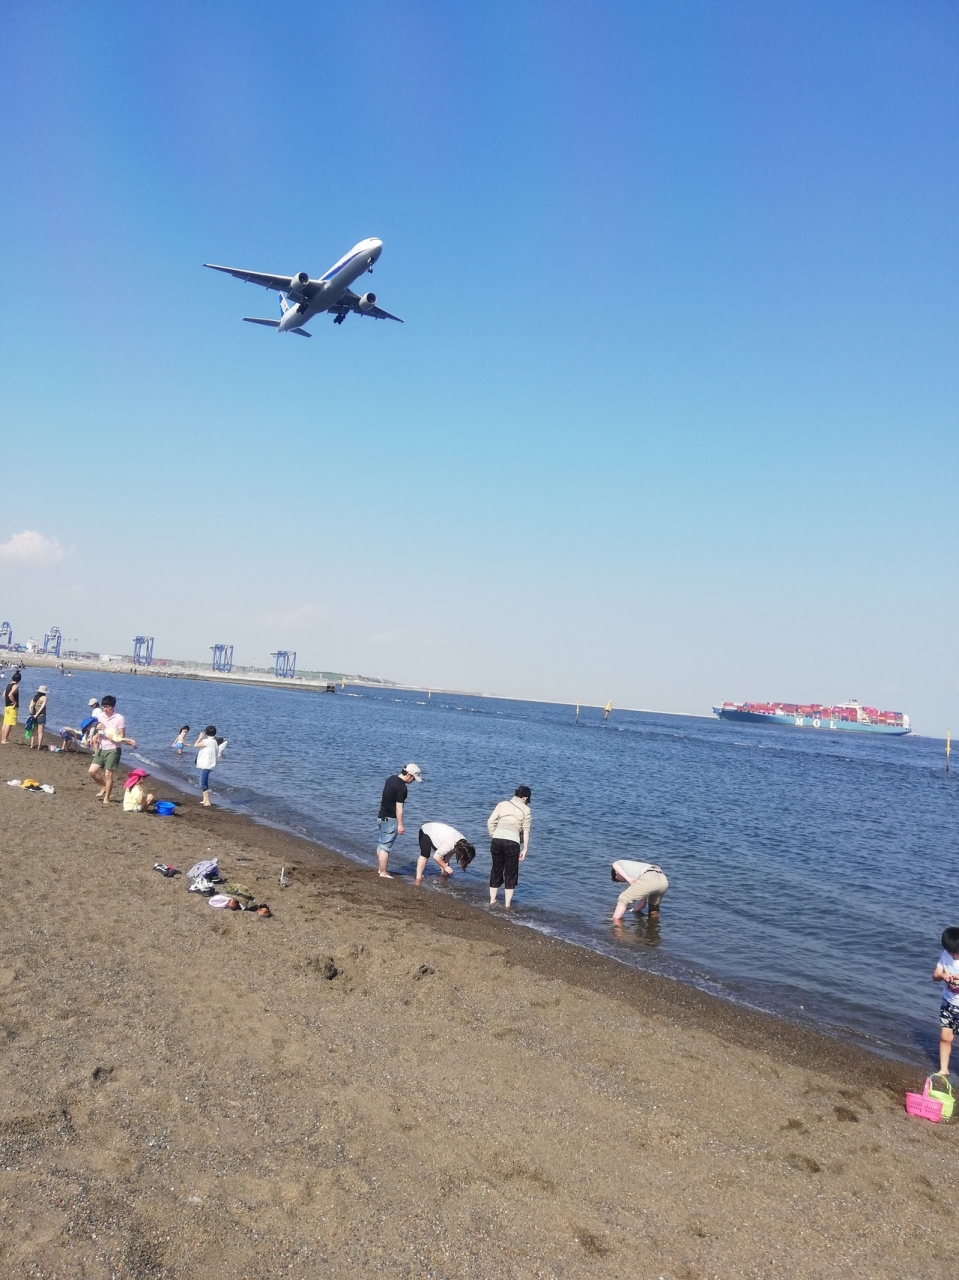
{"x": 273, "y": 324}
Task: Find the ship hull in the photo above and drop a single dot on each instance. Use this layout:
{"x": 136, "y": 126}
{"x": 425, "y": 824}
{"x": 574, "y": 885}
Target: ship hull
{"x": 810, "y": 722}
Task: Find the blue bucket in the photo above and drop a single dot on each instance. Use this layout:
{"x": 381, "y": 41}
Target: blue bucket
{"x": 165, "y": 808}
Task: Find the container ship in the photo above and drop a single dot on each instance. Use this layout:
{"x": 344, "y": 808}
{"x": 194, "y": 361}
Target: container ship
{"x": 847, "y": 715}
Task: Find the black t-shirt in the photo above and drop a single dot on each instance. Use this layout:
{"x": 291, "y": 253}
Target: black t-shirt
{"x": 394, "y": 793}
{"x": 11, "y": 694}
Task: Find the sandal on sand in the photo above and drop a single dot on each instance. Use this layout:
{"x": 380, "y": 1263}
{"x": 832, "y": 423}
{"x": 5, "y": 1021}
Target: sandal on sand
{"x": 264, "y": 911}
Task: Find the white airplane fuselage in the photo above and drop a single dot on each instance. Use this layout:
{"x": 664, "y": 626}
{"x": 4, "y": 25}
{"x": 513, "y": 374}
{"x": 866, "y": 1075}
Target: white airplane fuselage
{"x": 333, "y": 284}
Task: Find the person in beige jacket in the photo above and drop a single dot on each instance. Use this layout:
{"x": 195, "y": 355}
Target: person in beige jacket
{"x": 508, "y": 827}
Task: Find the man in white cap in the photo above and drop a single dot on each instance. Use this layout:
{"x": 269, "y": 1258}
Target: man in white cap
{"x": 390, "y": 819}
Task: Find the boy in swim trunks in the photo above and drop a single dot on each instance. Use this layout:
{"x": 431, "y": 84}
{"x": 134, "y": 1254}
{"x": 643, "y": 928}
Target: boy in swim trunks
{"x": 947, "y": 971}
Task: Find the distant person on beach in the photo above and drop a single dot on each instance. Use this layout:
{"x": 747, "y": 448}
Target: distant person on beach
{"x": 947, "y": 971}
{"x": 108, "y": 743}
{"x": 390, "y": 820}
{"x": 135, "y": 797}
{"x": 508, "y": 826}
{"x": 179, "y": 742}
{"x": 38, "y": 714}
{"x": 11, "y": 706}
{"x": 438, "y": 841}
{"x": 209, "y": 751}
{"x": 645, "y": 880}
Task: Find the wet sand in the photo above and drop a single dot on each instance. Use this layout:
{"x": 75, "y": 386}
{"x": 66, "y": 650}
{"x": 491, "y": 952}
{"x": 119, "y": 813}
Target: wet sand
{"x": 189, "y": 1093}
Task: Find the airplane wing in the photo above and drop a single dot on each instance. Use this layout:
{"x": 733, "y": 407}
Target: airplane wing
{"x": 283, "y": 283}
{"x": 275, "y": 324}
{"x": 350, "y": 302}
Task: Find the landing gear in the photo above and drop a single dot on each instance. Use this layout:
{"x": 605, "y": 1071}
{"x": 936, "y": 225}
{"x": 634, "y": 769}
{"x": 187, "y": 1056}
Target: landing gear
{"x": 339, "y": 317}
{"x": 369, "y": 267}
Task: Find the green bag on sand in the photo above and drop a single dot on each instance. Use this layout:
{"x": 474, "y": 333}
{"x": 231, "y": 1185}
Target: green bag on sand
{"x": 243, "y": 895}
{"x": 942, "y": 1093}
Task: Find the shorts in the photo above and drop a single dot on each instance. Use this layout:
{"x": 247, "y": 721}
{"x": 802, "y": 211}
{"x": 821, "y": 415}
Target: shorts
{"x": 9, "y": 715}
{"x": 949, "y": 1017}
{"x": 108, "y": 760}
{"x": 427, "y": 847}
{"x": 505, "y": 870}
{"x": 204, "y": 779}
{"x": 41, "y": 718}
{"x": 389, "y": 830}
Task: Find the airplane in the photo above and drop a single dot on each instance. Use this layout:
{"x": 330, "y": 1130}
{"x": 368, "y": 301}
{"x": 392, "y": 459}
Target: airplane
{"x": 302, "y": 299}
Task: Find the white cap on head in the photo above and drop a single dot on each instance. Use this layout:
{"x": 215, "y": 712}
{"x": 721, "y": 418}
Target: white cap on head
{"x": 42, "y": 689}
{"x": 413, "y": 771}
{"x": 93, "y": 703}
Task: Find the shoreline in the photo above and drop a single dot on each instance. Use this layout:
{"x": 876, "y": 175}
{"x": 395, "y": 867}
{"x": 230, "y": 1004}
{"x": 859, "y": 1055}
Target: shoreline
{"x": 381, "y": 1080}
{"x": 804, "y": 1044}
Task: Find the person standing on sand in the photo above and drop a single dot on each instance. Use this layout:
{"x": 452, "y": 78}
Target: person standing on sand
{"x": 38, "y": 710}
{"x": 208, "y": 753}
{"x": 644, "y": 880}
{"x": 11, "y": 706}
{"x": 390, "y": 819}
{"x": 508, "y": 826}
{"x": 947, "y": 971}
{"x": 438, "y": 840}
{"x": 110, "y": 738}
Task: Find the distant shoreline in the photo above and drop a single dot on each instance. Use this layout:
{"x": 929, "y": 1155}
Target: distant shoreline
{"x": 263, "y": 679}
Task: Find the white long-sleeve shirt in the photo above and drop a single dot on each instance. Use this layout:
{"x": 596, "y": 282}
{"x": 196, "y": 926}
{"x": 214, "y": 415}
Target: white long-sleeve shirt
{"x": 510, "y": 820}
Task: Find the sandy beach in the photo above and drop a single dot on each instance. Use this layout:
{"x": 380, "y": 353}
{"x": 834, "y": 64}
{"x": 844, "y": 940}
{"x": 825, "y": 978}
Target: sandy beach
{"x": 382, "y": 1081}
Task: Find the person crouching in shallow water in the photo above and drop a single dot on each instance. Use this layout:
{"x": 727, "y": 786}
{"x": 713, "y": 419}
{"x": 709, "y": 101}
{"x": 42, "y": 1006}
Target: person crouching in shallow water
{"x": 645, "y": 881}
{"x": 135, "y": 797}
{"x": 439, "y": 841}
{"x": 508, "y": 826}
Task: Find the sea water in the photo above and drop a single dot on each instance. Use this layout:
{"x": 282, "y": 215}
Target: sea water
{"x": 811, "y": 873}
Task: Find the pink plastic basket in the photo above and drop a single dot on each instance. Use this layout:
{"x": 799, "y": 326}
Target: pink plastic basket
{"x": 928, "y": 1108}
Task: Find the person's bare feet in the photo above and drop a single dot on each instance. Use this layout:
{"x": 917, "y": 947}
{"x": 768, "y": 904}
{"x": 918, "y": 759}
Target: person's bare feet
{"x": 100, "y": 794}
{"x": 206, "y": 804}
{"x": 418, "y": 880}
{"x": 384, "y": 875}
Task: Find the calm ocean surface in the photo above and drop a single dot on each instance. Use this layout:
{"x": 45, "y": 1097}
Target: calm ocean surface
{"x": 811, "y": 874}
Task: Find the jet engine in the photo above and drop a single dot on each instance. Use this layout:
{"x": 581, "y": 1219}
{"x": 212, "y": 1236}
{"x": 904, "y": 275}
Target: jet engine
{"x": 367, "y": 301}
{"x": 298, "y": 281}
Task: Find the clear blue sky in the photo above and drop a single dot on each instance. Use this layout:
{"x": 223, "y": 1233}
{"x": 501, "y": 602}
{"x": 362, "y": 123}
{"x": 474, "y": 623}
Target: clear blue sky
{"x": 673, "y": 415}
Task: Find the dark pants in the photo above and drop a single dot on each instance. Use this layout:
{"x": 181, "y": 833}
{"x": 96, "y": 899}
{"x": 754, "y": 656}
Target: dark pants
{"x": 505, "y": 855}
{"x": 426, "y": 845}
